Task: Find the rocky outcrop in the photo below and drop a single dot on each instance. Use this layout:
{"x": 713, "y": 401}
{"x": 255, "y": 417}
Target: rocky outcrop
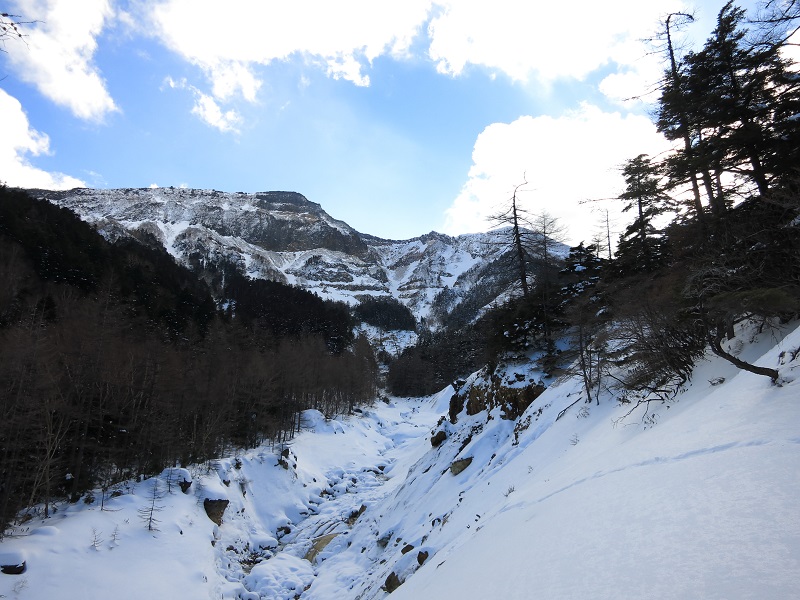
{"x": 392, "y": 582}
{"x": 486, "y": 395}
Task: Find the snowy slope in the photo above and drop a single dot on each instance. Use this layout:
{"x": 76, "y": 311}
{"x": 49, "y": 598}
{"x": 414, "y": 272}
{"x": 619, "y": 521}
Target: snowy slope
{"x": 699, "y": 502}
{"x": 697, "y": 498}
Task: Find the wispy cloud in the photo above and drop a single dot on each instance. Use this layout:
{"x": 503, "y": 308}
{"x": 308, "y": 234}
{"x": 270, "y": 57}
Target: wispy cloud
{"x": 207, "y": 108}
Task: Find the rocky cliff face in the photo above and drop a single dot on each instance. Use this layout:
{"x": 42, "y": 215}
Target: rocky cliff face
{"x": 284, "y": 237}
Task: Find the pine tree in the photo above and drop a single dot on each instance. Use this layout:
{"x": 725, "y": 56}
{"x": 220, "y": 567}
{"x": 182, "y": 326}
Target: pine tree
{"x": 736, "y": 100}
{"x": 674, "y": 122}
{"x": 641, "y": 245}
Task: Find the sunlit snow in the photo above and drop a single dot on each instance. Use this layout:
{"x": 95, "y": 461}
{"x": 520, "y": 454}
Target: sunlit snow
{"x": 697, "y": 498}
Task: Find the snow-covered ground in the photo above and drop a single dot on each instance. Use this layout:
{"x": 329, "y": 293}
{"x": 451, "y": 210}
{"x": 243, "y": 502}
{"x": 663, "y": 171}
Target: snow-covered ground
{"x": 697, "y": 498}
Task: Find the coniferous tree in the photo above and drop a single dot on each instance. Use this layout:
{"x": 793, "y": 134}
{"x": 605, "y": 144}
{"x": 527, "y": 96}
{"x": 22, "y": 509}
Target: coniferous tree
{"x": 736, "y": 99}
{"x": 674, "y": 122}
{"x": 641, "y": 245}
{"x": 548, "y": 233}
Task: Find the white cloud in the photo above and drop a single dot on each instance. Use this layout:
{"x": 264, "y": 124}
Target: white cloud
{"x": 234, "y": 77}
{"x": 548, "y": 40}
{"x": 566, "y": 160}
{"x": 59, "y": 56}
{"x": 527, "y": 41}
{"x": 17, "y": 143}
{"x": 226, "y": 42}
{"x": 348, "y": 68}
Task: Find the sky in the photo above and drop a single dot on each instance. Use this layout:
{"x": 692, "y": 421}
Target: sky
{"x": 398, "y": 117}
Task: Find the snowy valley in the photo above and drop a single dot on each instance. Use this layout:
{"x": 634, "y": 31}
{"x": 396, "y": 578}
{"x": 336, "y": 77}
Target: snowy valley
{"x": 692, "y": 496}
{"x": 210, "y": 395}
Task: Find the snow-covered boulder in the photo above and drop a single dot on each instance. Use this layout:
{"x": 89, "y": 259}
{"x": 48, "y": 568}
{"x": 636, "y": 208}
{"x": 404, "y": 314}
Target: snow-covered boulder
{"x": 13, "y": 562}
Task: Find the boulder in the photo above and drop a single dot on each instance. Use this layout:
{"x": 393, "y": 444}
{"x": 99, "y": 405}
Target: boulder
{"x": 438, "y": 438}
{"x": 12, "y": 562}
{"x": 459, "y": 465}
{"x": 392, "y": 582}
{"x": 215, "y": 509}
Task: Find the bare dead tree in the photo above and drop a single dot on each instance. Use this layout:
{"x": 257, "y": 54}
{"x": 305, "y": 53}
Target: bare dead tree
{"x": 515, "y": 218}
{"x": 778, "y": 21}
{"x": 11, "y": 29}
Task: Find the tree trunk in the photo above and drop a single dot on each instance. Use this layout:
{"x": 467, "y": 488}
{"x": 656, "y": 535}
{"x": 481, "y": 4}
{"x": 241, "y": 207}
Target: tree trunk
{"x": 716, "y": 347}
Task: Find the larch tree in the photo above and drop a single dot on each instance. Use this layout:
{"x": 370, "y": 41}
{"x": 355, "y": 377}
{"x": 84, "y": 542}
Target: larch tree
{"x": 515, "y": 219}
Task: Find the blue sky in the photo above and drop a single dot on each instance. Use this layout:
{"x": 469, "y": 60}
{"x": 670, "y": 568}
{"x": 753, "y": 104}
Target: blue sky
{"x": 398, "y": 117}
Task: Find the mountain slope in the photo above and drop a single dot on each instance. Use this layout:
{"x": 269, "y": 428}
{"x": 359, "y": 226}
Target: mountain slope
{"x": 694, "y": 498}
{"x": 284, "y": 237}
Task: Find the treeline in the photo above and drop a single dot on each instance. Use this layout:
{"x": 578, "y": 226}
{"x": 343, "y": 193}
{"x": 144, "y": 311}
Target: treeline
{"x": 116, "y": 362}
{"x": 437, "y": 360}
{"x": 714, "y": 238}
{"x": 385, "y": 312}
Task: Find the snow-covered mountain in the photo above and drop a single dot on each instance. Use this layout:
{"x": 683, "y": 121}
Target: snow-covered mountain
{"x": 284, "y": 237}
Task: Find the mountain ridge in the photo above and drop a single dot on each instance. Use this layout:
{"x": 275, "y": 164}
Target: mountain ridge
{"x": 285, "y": 237}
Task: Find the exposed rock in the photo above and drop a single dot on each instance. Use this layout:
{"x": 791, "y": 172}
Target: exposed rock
{"x": 422, "y": 556}
{"x": 459, "y": 465}
{"x": 392, "y": 582}
{"x": 318, "y": 546}
{"x": 406, "y": 549}
{"x": 286, "y": 459}
{"x": 456, "y": 406}
{"x": 438, "y": 438}
{"x": 13, "y": 562}
{"x": 486, "y": 396}
{"x": 283, "y": 530}
{"x": 215, "y": 509}
{"x": 355, "y": 514}
{"x": 13, "y": 569}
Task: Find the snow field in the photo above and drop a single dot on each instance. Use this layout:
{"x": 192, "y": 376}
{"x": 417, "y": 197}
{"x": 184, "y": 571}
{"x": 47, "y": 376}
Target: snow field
{"x": 697, "y": 500}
